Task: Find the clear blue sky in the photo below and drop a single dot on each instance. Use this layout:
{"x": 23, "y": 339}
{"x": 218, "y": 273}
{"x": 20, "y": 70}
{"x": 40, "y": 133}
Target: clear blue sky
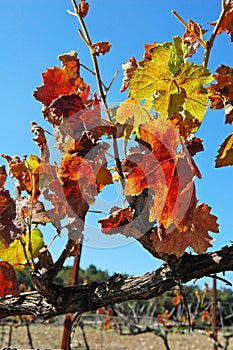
{"x": 33, "y": 34}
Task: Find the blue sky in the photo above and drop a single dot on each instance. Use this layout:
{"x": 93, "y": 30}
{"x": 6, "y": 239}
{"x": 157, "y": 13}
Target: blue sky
{"x": 33, "y": 34}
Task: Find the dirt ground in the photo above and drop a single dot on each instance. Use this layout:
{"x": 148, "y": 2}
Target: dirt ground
{"x": 49, "y": 337}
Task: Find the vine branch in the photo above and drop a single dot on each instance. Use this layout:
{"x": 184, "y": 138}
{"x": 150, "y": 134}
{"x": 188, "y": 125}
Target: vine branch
{"x": 86, "y": 37}
{"x": 118, "y": 288}
{"x": 225, "y": 7}
{"x": 201, "y": 41}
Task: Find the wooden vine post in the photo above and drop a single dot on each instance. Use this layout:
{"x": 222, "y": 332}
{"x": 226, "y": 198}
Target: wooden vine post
{"x": 214, "y": 314}
{"x": 73, "y": 281}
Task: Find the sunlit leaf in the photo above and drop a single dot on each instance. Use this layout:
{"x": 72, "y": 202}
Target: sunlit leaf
{"x": 174, "y": 86}
{"x": 225, "y": 153}
{"x": 32, "y": 163}
{"x": 167, "y": 172}
{"x": 60, "y": 81}
{"x": 15, "y": 255}
{"x": 132, "y": 114}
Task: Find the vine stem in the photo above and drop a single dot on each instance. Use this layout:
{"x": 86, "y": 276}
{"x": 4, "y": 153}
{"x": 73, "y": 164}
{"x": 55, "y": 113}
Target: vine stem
{"x": 86, "y": 38}
{"x": 225, "y": 7}
{"x": 30, "y": 214}
{"x": 201, "y": 41}
{"x": 209, "y": 43}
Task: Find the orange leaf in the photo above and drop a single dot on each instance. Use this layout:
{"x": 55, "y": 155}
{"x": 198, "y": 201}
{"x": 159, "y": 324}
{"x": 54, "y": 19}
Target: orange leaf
{"x": 147, "y": 47}
{"x": 176, "y": 300}
{"x": 107, "y": 322}
{"x": 165, "y": 170}
{"x": 118, "y": 218}
{"x": 56, "y": 82}
{"x": 100, "y": 310}
{"x": 103, "y": 177}
{"x": 102, "y": 47}
{"x": 60, "y": 81}
{"x": 160, "y": 318}
{"x": 78, "y": 180}
{"x": 196, "y": 235}
{"x": 18, "y": 169}
{"x": 8, "y": 280}
{"x": 203, "y": 222}
{"x": 178, "y": 297}
{"x": 205, "y": 315}
{"x": 3, "y": 176}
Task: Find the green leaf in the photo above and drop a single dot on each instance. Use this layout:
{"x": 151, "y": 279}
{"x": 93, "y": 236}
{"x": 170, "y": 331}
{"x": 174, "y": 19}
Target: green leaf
{"x": 14, "y": 254}
{"x": 151, "y": 76}
{"x": 176, "y": 87}
{"x": 178, "y": 52}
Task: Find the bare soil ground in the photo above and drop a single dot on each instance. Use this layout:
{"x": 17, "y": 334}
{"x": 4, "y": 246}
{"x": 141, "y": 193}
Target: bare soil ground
{"x": 48, "y": 336}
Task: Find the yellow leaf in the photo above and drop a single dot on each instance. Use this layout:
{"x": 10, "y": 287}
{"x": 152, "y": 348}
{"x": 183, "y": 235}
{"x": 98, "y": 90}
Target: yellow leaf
{"x": 225, "y": 153}
{"x": 131, "y": 112}
{"x": 32, "y": 163}
{"x": 14, "y": 254}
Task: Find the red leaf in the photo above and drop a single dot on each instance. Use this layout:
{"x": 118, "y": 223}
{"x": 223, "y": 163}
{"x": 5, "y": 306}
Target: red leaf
{"x": 194, "y": 145}
{"x": 8, "y": 280}
{"x": 66, "y": 105}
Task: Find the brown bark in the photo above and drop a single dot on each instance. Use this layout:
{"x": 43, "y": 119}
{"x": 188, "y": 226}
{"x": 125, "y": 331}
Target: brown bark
{"x": 53, "y": 301}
